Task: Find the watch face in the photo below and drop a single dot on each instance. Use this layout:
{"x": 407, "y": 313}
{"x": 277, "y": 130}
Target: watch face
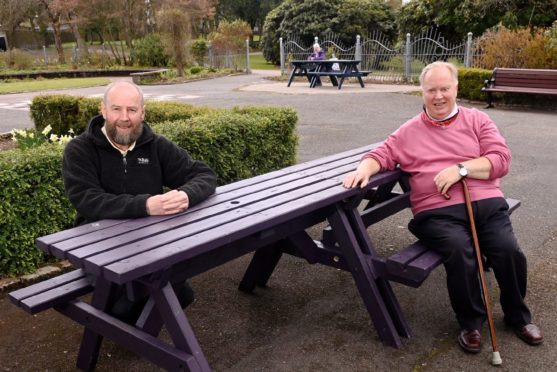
{"x": 462, "y": 171}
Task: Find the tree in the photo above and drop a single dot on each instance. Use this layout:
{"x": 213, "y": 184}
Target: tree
{"x": 230, "y": 36}
{"x": 455, "y": 18}
{"x": 174, "y": 25}
{"x": 359, "y": 17}
{"x": 199, "y": 11}
{"x": 13, "y": 13}
{"x": 251, "y": 11}
{"x": 75, "y": 22}
{"x": 116, "y": 22}
{"x": 53, "y": 10}
{"x": 347, "y": 18}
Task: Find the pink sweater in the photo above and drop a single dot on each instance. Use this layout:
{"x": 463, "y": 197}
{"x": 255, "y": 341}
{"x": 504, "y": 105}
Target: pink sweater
{"x": 422, "y": 150}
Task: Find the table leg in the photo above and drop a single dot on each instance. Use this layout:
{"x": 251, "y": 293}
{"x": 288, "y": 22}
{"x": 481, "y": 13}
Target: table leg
{"x": 383, "y": 285}
{"x": 358, "y": 76}
{"x": 177, "y": 325}
{"x": 361, "y": 81}
{"x": 91, "y": 342}
{"x": 315, "y": 78}
{"x": 261, "y": 267}
{"x": 344, "y": 72}
{"x": 292, "y": 76}
{"x": 364, "y": 278}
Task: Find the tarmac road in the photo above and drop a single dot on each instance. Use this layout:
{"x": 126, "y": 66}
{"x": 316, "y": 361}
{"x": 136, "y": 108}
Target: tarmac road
{"x": 311, "y": 318}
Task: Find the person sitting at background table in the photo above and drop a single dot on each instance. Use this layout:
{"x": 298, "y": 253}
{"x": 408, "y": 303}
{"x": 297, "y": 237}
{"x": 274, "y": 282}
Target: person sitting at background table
{"x": 118, "y": 167}
{"x": 318, "y": 53}
{"x": 440, "y": 146}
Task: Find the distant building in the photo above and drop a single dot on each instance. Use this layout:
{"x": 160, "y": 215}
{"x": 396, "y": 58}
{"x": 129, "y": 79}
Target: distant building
{"x": 3, "y": 41}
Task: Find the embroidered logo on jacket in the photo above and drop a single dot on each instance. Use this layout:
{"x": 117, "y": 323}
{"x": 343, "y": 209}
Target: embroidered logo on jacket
{"x": 143, "y": 161}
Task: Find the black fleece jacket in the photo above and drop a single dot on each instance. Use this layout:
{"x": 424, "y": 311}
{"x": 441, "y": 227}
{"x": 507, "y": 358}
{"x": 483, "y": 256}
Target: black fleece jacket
{"x": 101, "y": 183}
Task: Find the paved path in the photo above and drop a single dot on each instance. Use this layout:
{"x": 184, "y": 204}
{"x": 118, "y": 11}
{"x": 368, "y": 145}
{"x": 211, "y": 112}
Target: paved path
{"x": 311, "y": 318}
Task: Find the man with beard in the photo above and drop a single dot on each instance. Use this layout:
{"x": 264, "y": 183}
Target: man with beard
{"x": 118, "y": 167}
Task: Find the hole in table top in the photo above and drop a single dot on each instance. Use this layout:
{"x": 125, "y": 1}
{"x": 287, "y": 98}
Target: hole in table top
{"x": 235, "y": 202}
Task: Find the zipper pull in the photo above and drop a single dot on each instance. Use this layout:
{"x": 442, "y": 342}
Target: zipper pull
{"x": 125, "y": 161}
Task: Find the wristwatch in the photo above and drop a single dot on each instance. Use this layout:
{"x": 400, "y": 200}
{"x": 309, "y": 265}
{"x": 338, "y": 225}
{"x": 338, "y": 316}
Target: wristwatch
{"x": 462, "y": 170}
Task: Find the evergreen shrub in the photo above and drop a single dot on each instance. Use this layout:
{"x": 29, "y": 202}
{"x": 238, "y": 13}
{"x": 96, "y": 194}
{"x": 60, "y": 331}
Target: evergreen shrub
{"x": 32, "y": 204}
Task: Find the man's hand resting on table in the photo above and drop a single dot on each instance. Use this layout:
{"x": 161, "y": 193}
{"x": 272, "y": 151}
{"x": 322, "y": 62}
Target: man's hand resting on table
{"x": 367, "y": 168}
{"x": 171, "y": 202}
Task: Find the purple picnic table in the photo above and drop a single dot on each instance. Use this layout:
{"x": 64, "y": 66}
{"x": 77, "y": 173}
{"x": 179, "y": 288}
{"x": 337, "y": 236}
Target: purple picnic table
{"x": 266, "y": 214}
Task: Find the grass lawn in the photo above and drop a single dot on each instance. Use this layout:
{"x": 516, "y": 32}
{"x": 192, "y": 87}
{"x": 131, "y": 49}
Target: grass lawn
{"x": 20, "y": 86}
{"x": 257, "y": 62}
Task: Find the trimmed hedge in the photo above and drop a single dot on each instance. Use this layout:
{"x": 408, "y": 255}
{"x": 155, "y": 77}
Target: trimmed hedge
{"x": 471, "y": 82}
{"x": 238, "y": 143}
{"x": 32, "y": 204}
{"x": 63, "y": 112}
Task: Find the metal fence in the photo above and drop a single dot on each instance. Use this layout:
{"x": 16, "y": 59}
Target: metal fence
{"x": 235, "y": 60}
{"x": 388, "y": 61}
{"x": 102, "y": 56}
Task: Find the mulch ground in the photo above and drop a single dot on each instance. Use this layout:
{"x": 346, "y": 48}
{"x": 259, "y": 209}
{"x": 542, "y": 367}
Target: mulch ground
{"x": 6, "y": 143}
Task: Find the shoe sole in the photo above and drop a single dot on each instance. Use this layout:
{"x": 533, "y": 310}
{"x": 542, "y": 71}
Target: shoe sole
{"x": 529, "y": 341}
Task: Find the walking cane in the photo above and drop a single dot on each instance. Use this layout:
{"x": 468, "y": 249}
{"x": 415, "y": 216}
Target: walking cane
{"x": 496, "y": 359}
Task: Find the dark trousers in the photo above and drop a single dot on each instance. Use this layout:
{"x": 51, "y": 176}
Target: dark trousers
{"x": 447, "y": 231}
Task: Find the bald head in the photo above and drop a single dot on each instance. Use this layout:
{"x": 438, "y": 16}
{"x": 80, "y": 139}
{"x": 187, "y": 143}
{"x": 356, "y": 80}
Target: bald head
{"x": 122, "y": 85}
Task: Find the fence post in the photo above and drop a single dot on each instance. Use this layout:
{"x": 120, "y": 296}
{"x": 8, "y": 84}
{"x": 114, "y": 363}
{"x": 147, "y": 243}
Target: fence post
{"x": 103, "y": 55}
{"x": 248, "y": 70}
{"x": 45, "y": 55}
{"x": 468, "y": 54}
{"x": 408, "y": 59}
{"x": 358, "y": 50}
{"x": 210, "y": 55}
{"x": 282, "y": 69}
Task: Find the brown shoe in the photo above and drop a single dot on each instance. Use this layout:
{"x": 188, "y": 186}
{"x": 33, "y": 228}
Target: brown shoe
{"x": 470, "y": 340}
{"x": 529, "y": 333}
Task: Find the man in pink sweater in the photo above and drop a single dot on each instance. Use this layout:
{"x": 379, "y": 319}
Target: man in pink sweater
{"x": 438, "y": 148}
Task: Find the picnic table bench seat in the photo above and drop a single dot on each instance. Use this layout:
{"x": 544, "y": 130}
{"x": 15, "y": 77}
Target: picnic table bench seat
{"x": 339, "y": 73}
{"x": 519, "y": 80}
{"x": 52, "y": 292}
{"x": 411, "y": 265}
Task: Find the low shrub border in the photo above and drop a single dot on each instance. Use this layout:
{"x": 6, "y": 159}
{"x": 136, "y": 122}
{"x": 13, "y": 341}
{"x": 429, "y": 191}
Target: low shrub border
{"x": 237, "y": 143}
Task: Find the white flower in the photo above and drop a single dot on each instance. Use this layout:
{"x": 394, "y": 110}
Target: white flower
{"x": 71, "y": 131}
{"x": 53, "y": 137}
{"x": 65, "y": 139}
{"x": 31, "y": 135}
{"x": 47, "y": 130}
{"x": 22, "y": 133}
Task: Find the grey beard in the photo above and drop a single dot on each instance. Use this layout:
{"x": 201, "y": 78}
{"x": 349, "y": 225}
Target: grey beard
{"x": 124, "y": 139}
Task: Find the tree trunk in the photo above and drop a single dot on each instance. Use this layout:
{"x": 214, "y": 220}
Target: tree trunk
{"x": 178, "y": 53}
{"x": 83, "y": 51}
{"x": 58, "y": 40}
